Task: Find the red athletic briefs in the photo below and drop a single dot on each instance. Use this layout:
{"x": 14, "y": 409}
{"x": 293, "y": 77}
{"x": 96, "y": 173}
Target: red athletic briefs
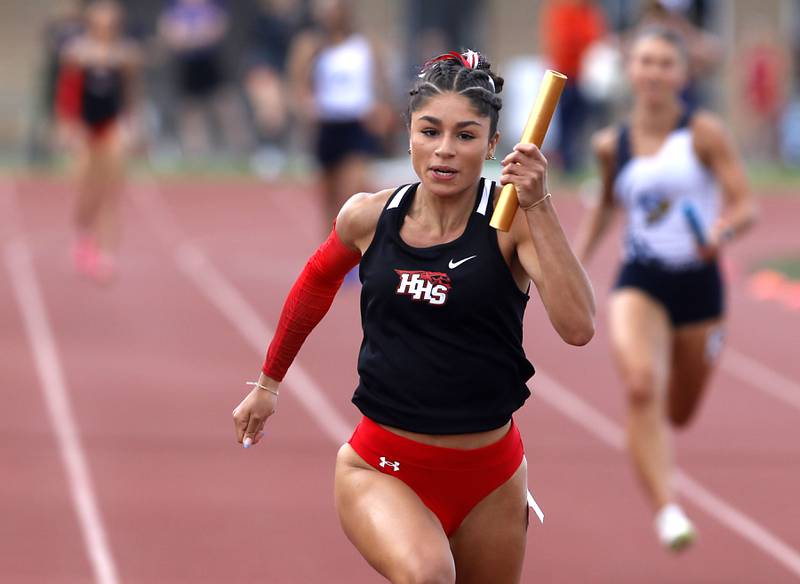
{"x": 449, "y": 481}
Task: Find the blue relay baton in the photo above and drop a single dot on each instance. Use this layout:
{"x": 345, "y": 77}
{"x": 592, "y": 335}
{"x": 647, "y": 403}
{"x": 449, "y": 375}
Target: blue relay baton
{"x": 693, "y": 219}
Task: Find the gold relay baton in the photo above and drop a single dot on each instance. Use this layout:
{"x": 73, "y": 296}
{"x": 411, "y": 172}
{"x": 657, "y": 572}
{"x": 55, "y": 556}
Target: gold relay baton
{"x": 535, "y": 130}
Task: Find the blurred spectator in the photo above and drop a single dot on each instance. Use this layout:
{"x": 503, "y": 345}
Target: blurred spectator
{"x": 568, "y": 29}
{"x": 790, "y": 123}
{"x": 705, "y": 50}
{"x": 339, "y": 89}
{"x": 790, "y": 134}
{"x": 276, "y": 25}
{"x": 763, "y": 71}
{"x": 193, "y": 31}
{"x": 438, "y": 26}
{"x": 602, "y": 74}
{"x": 65, "y": 24}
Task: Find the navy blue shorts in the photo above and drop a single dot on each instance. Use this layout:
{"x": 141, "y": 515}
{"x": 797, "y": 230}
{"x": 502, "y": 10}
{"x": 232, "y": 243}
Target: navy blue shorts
{"x": 337, "y": 140}
{"x": 689, "y": 295}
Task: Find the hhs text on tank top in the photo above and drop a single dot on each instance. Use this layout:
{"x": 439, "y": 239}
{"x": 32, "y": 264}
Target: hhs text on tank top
{"x": 343, "y": 84}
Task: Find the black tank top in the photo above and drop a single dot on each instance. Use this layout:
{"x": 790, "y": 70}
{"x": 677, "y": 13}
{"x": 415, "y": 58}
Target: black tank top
{"x": 442, "y": 350}
{"x": 103, "y": 94}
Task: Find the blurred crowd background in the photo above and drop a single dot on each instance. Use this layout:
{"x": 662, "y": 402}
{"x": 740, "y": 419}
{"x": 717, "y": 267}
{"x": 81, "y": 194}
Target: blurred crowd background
{"x": 218, "y": 80}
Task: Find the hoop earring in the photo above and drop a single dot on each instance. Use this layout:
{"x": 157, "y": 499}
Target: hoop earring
{"x": 492, "y": 157}
{"x": 409, "y": 150}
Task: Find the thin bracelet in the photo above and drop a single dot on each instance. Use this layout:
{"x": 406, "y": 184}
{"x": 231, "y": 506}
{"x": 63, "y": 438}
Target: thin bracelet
{"x": 539, "y": 202}
{"x": 259, "y": 386}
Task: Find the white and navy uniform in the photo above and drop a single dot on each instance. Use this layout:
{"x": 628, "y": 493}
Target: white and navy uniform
{"x": 343, "y": 82}
{"x": 442, "y": 349}
{"x": 199, "y": 69}
{"x": 660, "y": 250}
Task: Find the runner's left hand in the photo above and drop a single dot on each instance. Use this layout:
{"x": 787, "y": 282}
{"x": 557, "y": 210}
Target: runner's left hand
{"x": 526, "y": 169}
{"x": 718, "y": 236}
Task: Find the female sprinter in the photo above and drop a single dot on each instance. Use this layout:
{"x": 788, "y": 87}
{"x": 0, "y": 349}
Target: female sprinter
{"x": 339, "y": 89}
{"x": 441, "y": 365}
{"x": 666, "y": 311}
{"x": 95, "y": 92}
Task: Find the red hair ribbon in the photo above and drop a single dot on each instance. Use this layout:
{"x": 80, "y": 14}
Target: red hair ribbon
{"x": 469, "y": 59}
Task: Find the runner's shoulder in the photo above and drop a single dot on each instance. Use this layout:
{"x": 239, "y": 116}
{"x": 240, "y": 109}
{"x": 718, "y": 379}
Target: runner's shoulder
{"x": 359, "y": 215}
{"x": 709, "y": 133}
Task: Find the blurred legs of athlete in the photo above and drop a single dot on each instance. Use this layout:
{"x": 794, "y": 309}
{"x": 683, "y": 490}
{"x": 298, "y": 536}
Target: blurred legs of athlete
{"x": 695, "y": 353}
{"x": 100, "y": 169}
{"x": 665, "y": 371}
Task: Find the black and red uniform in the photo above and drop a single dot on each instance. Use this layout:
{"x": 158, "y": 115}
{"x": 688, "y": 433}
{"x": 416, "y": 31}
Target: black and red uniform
{"x": 442, "y": 350}
{"x": 93, "y": 94}
{"x": 442, "y": 354}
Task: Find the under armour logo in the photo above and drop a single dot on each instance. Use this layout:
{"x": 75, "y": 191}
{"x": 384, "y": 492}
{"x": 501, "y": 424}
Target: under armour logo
{"x": 394, "y": 465}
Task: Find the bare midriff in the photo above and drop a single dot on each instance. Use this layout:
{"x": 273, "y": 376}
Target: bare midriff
{"x": 460, "y": 441}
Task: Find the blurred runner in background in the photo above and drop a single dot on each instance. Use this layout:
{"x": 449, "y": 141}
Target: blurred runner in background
{"x": 274, "y": 30}
{"x": 676, "y": 175}
{"x": 95, "y": 103}
{"x": 339, "y": 88}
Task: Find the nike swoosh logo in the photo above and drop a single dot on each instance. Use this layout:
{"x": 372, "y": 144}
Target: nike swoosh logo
{"x": 453, "y": 265}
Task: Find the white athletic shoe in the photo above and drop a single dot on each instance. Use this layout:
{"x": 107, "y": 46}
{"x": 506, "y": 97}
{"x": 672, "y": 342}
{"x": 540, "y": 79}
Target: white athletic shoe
{"x": 674, "y": 529}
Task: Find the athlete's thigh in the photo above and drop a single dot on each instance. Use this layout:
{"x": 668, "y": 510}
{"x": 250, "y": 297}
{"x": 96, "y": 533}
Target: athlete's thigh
{"x": 695, "y": 351}
{"x": 80, "y": 154}
{"x": 111, "y": 151}
{"x": 388, "y": 523}
{"x": 489, "y": 546}
{"x": 640, "y": 337}
{"x": 118, "y": 143}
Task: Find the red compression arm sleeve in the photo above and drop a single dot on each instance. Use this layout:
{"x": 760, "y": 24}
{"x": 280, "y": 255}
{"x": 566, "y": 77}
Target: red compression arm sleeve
{"x": 309, "y": 300}
{"x": 68, "y": 92}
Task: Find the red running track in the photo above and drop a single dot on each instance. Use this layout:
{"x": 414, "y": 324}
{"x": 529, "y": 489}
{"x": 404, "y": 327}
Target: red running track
{"x": 152, "y": 366}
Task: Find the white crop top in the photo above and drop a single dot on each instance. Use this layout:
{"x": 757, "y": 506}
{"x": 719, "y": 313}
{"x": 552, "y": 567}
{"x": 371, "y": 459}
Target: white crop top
{"x": 654, "y": 191}
{"x": 343, "y": 80}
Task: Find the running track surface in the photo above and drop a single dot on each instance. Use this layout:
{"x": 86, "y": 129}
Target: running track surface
{"x": 117, "y": 456}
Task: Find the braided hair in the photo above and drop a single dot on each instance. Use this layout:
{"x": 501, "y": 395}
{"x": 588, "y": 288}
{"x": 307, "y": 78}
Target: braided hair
{"x": 468, "y": 74}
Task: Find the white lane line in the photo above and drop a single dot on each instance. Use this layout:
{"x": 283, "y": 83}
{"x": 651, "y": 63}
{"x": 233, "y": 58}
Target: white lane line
{"x": 251, "y": 326}
{"x": 194, "y": 264}
{"x": 761, "y": 377}
{"x": 51, "y": 377}
{"x": 608, "y": 432}
{"x": 739, "y": 522}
